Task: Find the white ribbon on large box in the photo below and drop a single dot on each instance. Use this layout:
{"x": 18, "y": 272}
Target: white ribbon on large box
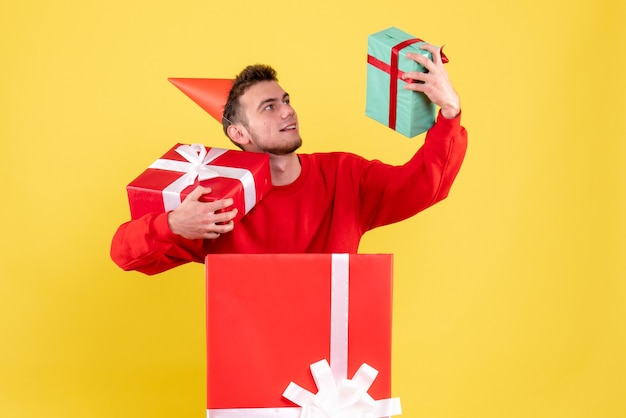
{"x": 198, "y": 165}
{"x": 337, "y": 396}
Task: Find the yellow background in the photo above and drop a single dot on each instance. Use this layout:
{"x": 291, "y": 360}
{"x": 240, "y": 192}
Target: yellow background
{"x": 510, "y": 299}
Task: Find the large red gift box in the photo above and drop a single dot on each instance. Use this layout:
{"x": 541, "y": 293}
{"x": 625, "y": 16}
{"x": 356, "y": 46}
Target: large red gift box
{"x": 270, "y": 316}
{"x": 243, "y": 176}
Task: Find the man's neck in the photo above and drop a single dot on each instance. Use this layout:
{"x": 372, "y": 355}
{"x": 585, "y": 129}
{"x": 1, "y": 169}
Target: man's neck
{"x": 285, "y": 169}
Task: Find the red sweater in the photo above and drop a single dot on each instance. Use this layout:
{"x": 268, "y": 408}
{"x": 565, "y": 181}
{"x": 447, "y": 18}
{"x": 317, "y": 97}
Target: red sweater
{"x": 335, "y": 200}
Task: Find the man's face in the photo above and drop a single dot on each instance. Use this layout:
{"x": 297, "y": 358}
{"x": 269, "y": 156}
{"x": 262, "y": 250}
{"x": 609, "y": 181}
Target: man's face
{"x": 272, "y": 124}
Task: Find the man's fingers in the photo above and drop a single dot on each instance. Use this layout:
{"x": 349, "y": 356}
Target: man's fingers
{"x": 218, "y": 228}
{"x": 222, "y": 228}
{"x": 425, "y": 62}
{"x": 224, "y": 216}
{"x": 429, "y": 64}
{"x": 434, "y": 51}
{"x": 198, "y": 192}
{"x": 415, "y": 76}
{"x": 224, "y": 203}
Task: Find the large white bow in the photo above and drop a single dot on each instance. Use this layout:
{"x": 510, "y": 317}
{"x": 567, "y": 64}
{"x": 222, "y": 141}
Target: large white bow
{"x": 344, "y": 399}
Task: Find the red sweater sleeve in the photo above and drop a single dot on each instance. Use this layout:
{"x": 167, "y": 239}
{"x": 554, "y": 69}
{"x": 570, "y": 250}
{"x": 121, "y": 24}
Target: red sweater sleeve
{"x": 392, "y": 193}
{"x": 147, "y": 245}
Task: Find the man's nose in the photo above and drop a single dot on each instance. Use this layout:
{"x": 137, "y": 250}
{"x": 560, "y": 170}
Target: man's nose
{"x": 287, "y": 111}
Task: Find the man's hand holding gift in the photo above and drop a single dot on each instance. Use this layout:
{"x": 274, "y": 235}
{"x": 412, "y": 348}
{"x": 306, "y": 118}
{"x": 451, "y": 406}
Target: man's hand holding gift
{"x": 434, "y": 83}
{"x": 195, "y": 219}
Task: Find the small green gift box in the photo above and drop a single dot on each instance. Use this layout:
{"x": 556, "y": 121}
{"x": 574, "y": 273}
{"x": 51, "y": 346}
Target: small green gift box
{"x": 407, "y": 112}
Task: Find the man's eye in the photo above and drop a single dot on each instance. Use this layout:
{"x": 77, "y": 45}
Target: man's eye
{"x": 287, "y": 101}
{"x": 269, "y": 107}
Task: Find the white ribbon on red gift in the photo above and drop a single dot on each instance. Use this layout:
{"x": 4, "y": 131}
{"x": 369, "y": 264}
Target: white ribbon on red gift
{"x": 337, "y": 396}
{"x": 198, "y": 166}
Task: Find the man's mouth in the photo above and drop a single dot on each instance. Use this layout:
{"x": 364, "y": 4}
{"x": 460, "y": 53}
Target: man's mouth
{"x": 289, "y": 128}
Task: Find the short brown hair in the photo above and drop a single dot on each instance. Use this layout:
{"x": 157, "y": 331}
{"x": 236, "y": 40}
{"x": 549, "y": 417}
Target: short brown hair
{"x": 250, "y": 75}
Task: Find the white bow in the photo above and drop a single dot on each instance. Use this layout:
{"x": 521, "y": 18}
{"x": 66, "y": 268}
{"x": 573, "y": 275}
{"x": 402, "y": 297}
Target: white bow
{"x": 344, "y": 399}
{"x": 198, "y": 166}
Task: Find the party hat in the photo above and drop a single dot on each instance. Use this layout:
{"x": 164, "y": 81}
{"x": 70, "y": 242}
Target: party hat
{"x": 210, "y": 94}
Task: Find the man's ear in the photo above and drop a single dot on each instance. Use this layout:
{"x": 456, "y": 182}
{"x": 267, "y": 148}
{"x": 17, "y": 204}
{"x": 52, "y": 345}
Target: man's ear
{"x": 237, "y": 134}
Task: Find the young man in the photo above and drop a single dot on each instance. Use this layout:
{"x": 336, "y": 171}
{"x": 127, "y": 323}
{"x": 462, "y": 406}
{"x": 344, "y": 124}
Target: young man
{"x": 320, "y": 203}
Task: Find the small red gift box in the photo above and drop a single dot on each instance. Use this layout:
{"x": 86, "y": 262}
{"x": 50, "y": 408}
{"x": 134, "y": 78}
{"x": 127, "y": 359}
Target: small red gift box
{"x": 243, "y": 176}
{"x": 271, "y": 316}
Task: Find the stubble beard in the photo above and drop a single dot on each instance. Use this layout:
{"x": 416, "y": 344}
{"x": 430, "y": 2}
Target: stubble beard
{"x": 283, "y": 149}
